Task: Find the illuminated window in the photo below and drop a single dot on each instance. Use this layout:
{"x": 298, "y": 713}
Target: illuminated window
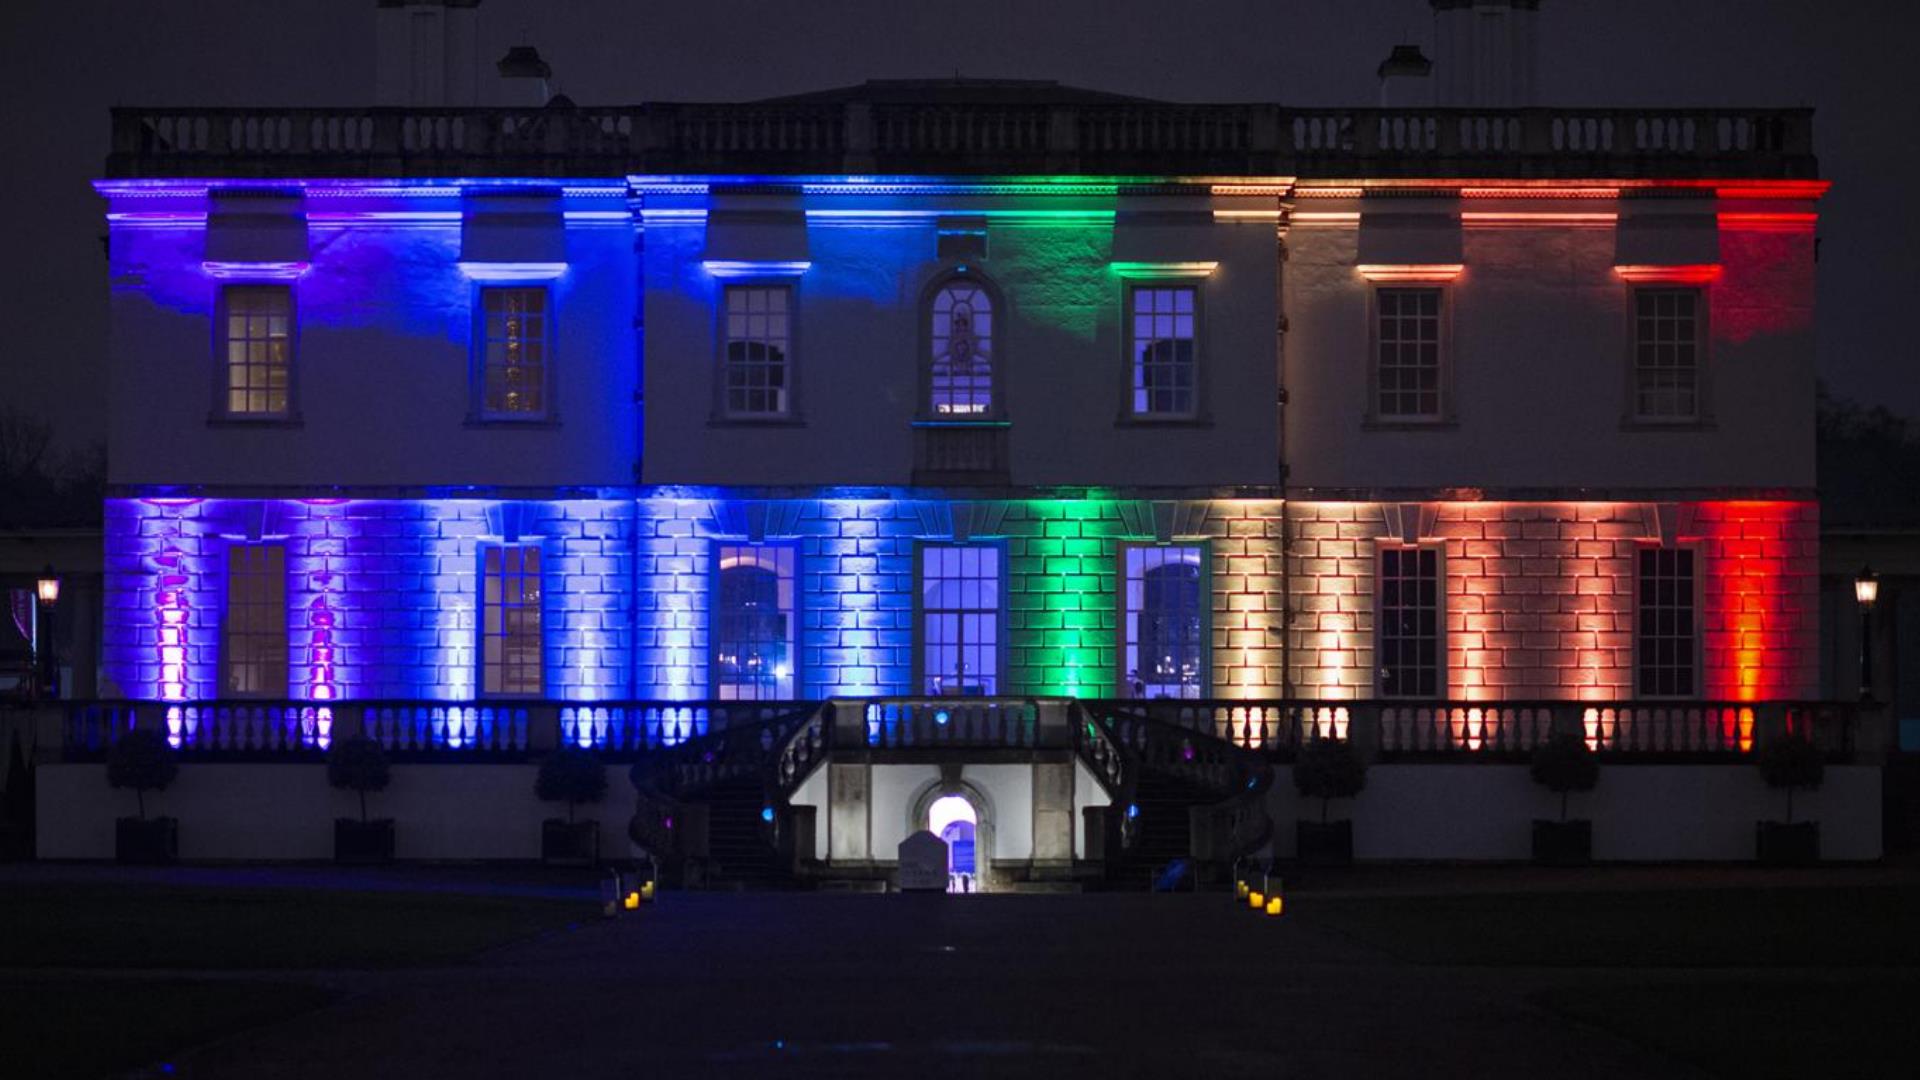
{"x": 1666, "y": 643}
{"x": 1163, "y": 351}
{"x": 254, "y": 656}
{"x": 1407, "y": 377}
{"x": 1165, "y": 622}
{"x": 757, "y": 378}
{"x": 753, "y": 623}
{"x": 516, "y": 354}
{"x": 1407, "y": 635}
{"x": 257, "y": 350}
{"x": 959, "y": 619}
{"x": 961, "y": 383}
{"x": 510, "y": 640}
{"x": 1666, "y": 354}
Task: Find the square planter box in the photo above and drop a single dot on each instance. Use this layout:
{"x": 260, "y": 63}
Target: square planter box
{"x": 1778, "y": 843}
{"x": 564, "y": 843}
{"x": 148, "y": 842}
{"x": 356, "y": 841}
{"x": 1562, "y": 843}
{"x": 1328, "y": 843}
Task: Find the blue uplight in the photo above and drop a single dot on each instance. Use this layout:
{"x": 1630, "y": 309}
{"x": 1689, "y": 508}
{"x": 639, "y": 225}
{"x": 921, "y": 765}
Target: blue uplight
{"x": 766, "y": 814}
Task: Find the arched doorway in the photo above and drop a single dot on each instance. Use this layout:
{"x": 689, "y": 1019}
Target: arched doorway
{"x": 952, "y": 818}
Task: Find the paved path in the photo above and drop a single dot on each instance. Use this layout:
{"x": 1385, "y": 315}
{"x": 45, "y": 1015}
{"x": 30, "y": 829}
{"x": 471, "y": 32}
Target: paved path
{"x": 826, "y": 985}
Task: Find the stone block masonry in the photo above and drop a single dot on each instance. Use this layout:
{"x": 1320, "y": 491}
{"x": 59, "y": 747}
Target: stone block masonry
{"x": 383, "y": 596}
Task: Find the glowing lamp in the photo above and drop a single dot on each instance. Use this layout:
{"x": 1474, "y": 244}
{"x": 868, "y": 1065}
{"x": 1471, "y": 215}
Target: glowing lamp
{"x": 1866, "y": 587}
{"x": 1276, "y": 906}
{"x": 646, "y": 892}
{"x": 1240, "y": 890}
{"x": 48, "y": 587}
{"x": 1256, "y": 901}
{"x": 632, "y": 902}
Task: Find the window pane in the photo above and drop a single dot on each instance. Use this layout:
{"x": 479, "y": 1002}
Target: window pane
{"x": 1666, "y": 343}
{"x": 757, "y": 351}
{"x": 754, "y": 623}
{"x": 1164, "y": 622}
{"x": 1666, "y": 622}
{"x": 959, "y": 619}
{"x": 256, "y": 348}
{"x": 255, "y": 656}
{"x": 514, "y": 369}
{"x": 1408, "y": 634}
{"x": 1163, "y": 352}
{"x": 1407, "y": 379}
{"x": 512, "y": 646}
{"x": 961, "y": 335}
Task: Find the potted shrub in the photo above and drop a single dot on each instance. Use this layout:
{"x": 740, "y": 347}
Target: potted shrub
{"x": 143, "y": 761}
{"x": 359, "y": 764}
{"x": 1564, "y": 764}
{"x": 572, "y": 776}
{"x": 1327, "y": 769}
{"x": 1790, "y": 762}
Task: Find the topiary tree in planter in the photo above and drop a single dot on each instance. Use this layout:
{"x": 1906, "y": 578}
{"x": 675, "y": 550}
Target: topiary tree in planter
{"x": 1564, "y": 764}
{"x": 573, "y": 776}
{"x": 1789, "y": 762}
{"x": 142, "y": 760}
{"x": 1327, "y": 769}
{"x": 359, "y": 764}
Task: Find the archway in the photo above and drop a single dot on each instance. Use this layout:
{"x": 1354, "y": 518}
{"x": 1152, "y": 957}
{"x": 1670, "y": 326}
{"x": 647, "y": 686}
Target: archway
{"x": 962, "y": 815}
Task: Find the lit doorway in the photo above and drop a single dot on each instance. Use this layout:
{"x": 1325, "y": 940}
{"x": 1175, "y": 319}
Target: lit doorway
{"x": 952, "y": 819}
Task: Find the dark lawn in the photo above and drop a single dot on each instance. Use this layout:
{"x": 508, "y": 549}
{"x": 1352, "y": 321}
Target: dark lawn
{"x": 142, "y": 926}
{"x": 1839, "y": 926}
{"x": 89, "y": 1027}
{"x": 1791, "y": 1029}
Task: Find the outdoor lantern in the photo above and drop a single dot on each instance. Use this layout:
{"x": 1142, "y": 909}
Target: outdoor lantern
{"x": 1256, "y": 901}
{"x": 1240, "y": 890}
{"x": 632, "y": 902}
{"x": 1866, "y": 590}
{"x": 48, "y": 587}
{"x": 646, "y": 892}
{"x": 1866, "y": 587}
{"x": 1275, "y": 905}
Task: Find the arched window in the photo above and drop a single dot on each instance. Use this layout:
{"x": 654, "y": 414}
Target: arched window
{"x": 753, "y": 624}
{"x": 961, "y": 364}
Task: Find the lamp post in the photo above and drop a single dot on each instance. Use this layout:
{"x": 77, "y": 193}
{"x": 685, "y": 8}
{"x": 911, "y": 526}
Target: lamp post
{"x": 1866, "y": 590}
{"x": 47, "y": 589}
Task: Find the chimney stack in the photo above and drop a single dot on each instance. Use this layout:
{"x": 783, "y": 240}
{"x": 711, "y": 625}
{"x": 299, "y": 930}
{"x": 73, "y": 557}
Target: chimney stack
{"x": 1406, "y": 79}
{"x": 426, "y": 52}
{"x": 1484, "y": 52}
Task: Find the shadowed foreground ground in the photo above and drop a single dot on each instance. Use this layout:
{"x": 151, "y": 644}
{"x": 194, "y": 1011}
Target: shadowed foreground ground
{"x": 1380, "y": 980}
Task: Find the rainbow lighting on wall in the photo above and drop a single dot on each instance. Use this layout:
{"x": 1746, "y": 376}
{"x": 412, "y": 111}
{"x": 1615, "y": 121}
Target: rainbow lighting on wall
{"x": 383, "y": 597}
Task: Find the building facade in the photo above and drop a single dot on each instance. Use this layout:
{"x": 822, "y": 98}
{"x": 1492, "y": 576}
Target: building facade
{"x": 1441, "y": 426}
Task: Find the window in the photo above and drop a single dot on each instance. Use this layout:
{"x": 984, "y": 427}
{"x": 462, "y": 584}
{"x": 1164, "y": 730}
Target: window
{"x": 1164, "y": 622}
{"x": 255, "y": 656}
{"x": 1666, "y": 643}
{"x": 1407, "y": 638}
{"x": 516, "y": 353}
{"x": 1666, "y": 354}
{"x": 757, "y": 381}
{"x": 510, "y": 639}
{"x": 959, "y": 619}
{"x": 754, "y": 623}
{"x": 1163, "y": 351}
{"x": 1407, "y": 377}
{"x": 257, "y": 350}
{"x": 962, "y": 343}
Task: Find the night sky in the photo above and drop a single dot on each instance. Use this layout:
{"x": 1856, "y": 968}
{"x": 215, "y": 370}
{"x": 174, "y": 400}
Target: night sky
{"x": 69, "y": 60}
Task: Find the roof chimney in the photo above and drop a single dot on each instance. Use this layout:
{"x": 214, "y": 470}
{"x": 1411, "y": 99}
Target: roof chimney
{"x": 426, "y": 52}
{"x": 1405, "y": 79}
{"x": 1484, "y": 50}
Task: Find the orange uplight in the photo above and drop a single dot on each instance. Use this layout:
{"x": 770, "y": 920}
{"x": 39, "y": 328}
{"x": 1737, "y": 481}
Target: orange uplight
{"x": 1694, "y": 274}
{"x": 1433, "y": 272}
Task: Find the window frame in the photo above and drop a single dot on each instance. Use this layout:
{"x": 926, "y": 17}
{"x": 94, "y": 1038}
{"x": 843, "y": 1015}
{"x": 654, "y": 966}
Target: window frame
{"x": 227, "y": 630}
{"x": 480, "y": 622}
{"x": 997, "y": 405}
{"x": 1702, "y": 415}
{"x": 1130, "y": 286}
{"x": 219, "y": 414}
{"x": 1000, "y": 675}
{"x": 721, "y": 415}
{"x": 1699, "y": 625}
{"x": 1123, "y": 686}
{"x": 1441, "y": 641}
{"x": 794, "y": 616}
{"x": 477, "y": 412}
{"x": 1447, "y": 416}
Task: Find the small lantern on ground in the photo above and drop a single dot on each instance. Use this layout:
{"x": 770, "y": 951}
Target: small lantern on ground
{"x": 1866, "y": 592}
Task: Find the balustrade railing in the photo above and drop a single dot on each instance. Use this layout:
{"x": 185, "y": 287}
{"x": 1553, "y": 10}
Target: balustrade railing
{"x": 1461, "y": 730}
{"x": 983, "y": 138}
{"x": 931, "y": 723}
{"x": 453, "y": 730}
